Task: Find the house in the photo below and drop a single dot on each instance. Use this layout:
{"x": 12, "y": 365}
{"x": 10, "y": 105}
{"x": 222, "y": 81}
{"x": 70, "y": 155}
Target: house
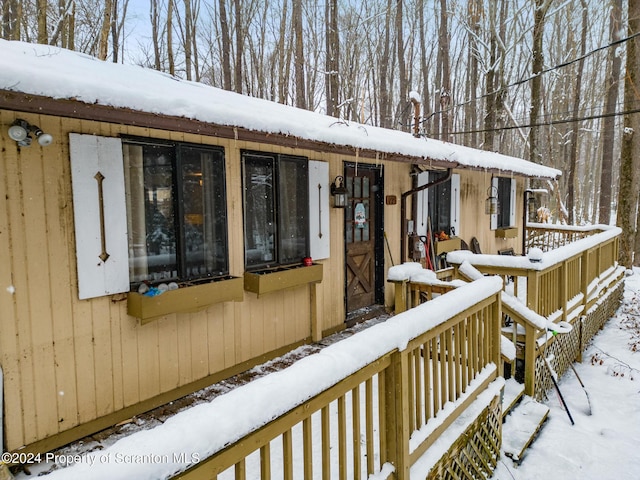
{"x": 159, "y": 235}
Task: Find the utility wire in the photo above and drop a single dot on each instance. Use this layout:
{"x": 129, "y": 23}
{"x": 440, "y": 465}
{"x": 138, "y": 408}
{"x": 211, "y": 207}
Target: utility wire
{"x": 528, "y": 79}
{"x": 551, "y": 122}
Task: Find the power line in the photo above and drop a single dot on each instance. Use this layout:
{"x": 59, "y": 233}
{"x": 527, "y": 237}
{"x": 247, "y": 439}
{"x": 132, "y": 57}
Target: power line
{"x": 552, "y": 122}
{"x": 528, "y": 79}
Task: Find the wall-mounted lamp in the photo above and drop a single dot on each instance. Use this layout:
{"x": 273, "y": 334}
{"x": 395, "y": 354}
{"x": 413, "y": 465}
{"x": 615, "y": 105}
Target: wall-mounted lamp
{"x": 339, "y": 192}
{"x": 20, "y": 132}
{"x": 491, "y": 203}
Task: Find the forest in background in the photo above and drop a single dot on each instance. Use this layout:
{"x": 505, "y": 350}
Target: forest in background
{"x": 552, "y": 81}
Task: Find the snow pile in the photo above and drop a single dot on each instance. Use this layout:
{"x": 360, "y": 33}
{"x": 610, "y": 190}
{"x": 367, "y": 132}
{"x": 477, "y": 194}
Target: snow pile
{"x": 603, "y": 445}
{"x": 75, "y": 76}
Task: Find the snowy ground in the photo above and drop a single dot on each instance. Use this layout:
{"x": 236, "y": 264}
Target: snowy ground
{"x": 605, "y": 445}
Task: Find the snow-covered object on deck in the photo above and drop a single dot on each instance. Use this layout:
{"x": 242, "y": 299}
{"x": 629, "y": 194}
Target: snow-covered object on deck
{"x": 79, "y": 77}
{"x": 402, "y": 273}
{"x": 535, "y": 255}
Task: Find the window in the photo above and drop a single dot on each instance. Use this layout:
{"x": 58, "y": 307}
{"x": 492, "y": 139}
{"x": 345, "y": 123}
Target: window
{"x": 276, "y": 212}
{"x": 176, "y": 211}
{"x": 505, "y": 217}
{"x": 438, "y": 205}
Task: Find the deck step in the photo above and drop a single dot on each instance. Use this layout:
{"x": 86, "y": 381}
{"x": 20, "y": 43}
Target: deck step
{"x": 521, "y": 427}
{"x": 513, "y": 392}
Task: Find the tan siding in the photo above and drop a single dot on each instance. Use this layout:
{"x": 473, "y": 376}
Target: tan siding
{"x": 66, "y": 361}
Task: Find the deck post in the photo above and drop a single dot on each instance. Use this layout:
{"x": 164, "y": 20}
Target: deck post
{"x": 397, "y": 415}
{"x": 529, "y": 359}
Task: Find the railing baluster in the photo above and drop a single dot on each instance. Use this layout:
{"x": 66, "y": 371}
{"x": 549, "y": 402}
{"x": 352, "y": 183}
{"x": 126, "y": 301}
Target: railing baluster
{"x": 342, "y": 438}
{"x": 426, "y": 370}
{"x": 265, "y": 462}
{"x": 417, "y": 355}
{"x": 435, "y": 368}
{"x": 241, "y": 470}
{"x": 287, "y": 455}
{"x": 356, "y": 433}
{"x": 326, "y": 444}
{"x": 307, "y": 448}
{"x": 368, "y": 392}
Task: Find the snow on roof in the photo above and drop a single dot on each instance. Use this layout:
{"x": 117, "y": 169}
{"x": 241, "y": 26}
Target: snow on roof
{"x": 57, "y": 73}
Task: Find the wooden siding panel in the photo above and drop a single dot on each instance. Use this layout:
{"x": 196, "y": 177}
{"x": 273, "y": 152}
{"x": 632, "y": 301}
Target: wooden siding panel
{"x": 100, "y": 358}
{"x": 168, "y": 348}
{"x": 9, "y": 293}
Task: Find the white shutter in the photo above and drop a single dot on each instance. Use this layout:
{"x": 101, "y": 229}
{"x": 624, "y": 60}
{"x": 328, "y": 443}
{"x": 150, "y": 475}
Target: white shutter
{"x": 422, "y": 212}
{"x": 100, "y": 215}
{"x": 319, "y": 238}
{"x": 455, "y": 203}
{"x": 512, "y": 211}
{"x": 494, "y": 192}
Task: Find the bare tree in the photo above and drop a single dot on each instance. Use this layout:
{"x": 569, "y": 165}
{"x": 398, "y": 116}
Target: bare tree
{"x": 628, "y": 193}
{"x": 573, "y": 154}
{"x": 103, "y": 50}
{"x": 608, "y": 128}
{"x": 43, "y": 35}
{"x": 226, "y": 45}
{"x": 332, "y": 57}
{"x": 299, "y": 54}
{"x": 537, "y": 64}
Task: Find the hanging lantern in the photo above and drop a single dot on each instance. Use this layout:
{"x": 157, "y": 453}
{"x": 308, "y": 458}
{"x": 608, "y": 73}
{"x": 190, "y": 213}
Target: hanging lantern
{"x": 491, "y": 203}
{"x": 339, "y": 192}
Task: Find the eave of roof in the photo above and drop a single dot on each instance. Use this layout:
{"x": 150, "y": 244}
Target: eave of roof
{"x": 79, "y": 86}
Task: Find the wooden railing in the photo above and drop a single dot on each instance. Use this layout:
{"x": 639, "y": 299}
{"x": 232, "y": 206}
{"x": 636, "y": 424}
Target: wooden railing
{"x": 384, "y": 415}
{"x": 549, "y": 237}
{"x": 564, "y": 286}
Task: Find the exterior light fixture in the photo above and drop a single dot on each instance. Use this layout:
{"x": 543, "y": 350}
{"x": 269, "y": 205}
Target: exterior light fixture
{"x": 20, "y": 132}
{"x": 491, "y": 203}
{"x": 339, "y": 192}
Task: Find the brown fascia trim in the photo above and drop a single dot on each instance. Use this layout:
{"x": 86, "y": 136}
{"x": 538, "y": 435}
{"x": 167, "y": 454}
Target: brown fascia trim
{"x": 23, "y": 102}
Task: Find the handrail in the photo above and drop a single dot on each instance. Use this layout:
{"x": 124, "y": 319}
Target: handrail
{"x": 446, "y": 350}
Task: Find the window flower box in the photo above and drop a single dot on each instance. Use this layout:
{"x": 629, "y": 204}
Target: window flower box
{"x": 444, "y": 246}
{"x": 267, "y": 281}
{"x": 186, "y": 299}
{"x": 508, "y": 232}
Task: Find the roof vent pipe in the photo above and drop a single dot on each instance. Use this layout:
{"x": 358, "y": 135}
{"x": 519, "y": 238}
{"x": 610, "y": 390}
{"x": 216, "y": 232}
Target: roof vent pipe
{"x": 403, "y": 209}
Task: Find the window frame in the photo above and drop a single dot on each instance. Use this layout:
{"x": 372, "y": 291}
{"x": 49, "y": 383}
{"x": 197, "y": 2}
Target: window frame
{"x": 178, "y": 160}
{"x": 505, "y": 218}
{"x": 275, "y": 160}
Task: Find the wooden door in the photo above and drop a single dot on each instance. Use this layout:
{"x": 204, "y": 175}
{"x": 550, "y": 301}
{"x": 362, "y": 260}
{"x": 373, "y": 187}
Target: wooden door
{"x": 360, "y": 237}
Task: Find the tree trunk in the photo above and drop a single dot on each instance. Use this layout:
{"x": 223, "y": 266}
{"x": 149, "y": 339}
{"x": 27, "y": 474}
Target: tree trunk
{"x": 170, "y": 58}
{"x": 537, "y": 64}
{"x": 115, "y": 31}
{"x": 609, "y": 123}
{"x": 385, "y": 100}
{"x": 296, "y": 14}
{"x": 628, "y": 191}
{"x": 403, "y": 99}
{"x": 155, "y": 32}
{"x": 474, "y": 13}
{"x": 239, "y": 46}
{"x": 573, "y": 154}
{"x": 426, "y": 105}
{"x": 43, "y": 36}
{"x": 188, "y": 38}
{"x": 103, "y": 49}
{"x": 445, "y": 81}
{"x": 226, "y": 46}
{"x": 332, "y": 37}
